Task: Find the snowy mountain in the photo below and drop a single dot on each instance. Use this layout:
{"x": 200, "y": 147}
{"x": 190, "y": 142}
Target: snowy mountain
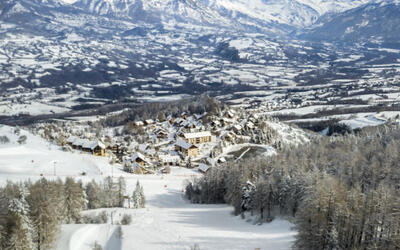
{"x": 273, "y": 17}
{"x": 295, "y": 13}
{"x": 371, "y": 22}
{"x": 155, "y": 11}
{"x": 85, "y": 53}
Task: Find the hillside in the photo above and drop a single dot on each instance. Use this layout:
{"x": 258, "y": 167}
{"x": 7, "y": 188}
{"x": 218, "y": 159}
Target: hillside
{"x": 168, "y": 222}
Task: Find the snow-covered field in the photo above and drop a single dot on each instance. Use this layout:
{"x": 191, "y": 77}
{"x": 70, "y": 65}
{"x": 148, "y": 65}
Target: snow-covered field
{"x": 168, "y": 221}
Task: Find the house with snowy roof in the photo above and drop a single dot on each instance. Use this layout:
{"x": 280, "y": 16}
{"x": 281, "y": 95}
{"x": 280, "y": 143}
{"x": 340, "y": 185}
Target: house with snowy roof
{"x": 187, "y": 149}
{"x": 197, "y": 137}
{"x": 139, "y": 158}
{"x": 168, "y": 159}
{"x": 95, "y": 147}
{"x": 149, "y": 121}
{"x": 138, "y": 123}
{"x": 203, "y": 168}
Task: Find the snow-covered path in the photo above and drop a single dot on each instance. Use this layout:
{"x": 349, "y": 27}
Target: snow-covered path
{"x": 171, "y": 222}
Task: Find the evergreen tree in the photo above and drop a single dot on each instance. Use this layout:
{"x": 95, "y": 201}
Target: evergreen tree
{"x": 138, "y": 196}
{"x": 3, "y": 237}
{"x": 21, "y": 232}
{"x": 121, "y": 191}
{"x": 74, "y": 200}
{"x": 94, "y": 195}
{"x": 111, "y": 196}
{"x": 44, "y": 211}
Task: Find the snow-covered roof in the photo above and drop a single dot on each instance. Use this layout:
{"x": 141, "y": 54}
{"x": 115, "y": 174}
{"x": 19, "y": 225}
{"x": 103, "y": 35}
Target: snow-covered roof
{"x": 203, "y": 167}
{"x": 169, "y": 158}
{"x": 149, "y": 121}
{"x": 237, "y": 127}
{"x": 93, "y": 144}
{"x": 139, "y": 123}
{"x": 197, "y": 134}
{"x": 181, "y": 143}
{"x": 79, "y": 142}
{"x": 72, "y": 139}
{"x": 222, "y": 159}
{"x": 138, "y": 155}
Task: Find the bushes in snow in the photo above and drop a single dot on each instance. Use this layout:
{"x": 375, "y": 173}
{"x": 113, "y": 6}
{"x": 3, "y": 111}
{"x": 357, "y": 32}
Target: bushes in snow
{"x": 4, "y": 139}
{"x": 100, "y": 218}
{"x": 22, "y": 139}
{"x": 126, "y": 219}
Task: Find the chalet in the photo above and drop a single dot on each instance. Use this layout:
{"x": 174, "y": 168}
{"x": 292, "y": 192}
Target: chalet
{"x": 230, "y": 114}
{"x": 197, "y": 137}
{"x": 95, "y": 147}
{"x": 186, "y": 148}
{"x": 203, "y": 168}
{"x": 190, "y": 125}
{"x": 169, "y": 159}
{"x": 184, "y": 115}
{"x": 139, "y": 159}
{"x": 178, "y": 121}
{"x": 71, "y": 140}
{"x": 221, "y": 160}
{"x": 216, "y": 123}
{"x": 114, "y": 147}
{"x": 170, "y": 119}
{"x": 250, "y": 125}
{"x": 139, "y": 124}
{"x": 78, "y": 143}
{"x": 149, "y": 122}
{"x": 161, "y": 134}
{"x": 237, "y": 128}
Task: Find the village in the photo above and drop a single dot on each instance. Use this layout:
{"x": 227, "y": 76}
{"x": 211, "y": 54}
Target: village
{"x": 151, "y": 146}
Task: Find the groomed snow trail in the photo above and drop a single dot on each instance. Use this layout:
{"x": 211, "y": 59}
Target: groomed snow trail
{"x": 171, "y": 222}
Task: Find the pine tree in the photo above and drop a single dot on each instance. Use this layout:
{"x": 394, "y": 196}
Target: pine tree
{"x": 21, "y": 233}
{"x": 44, "y": 211}
{"x": 93, "y": 195}
{"x": 3, "y": 237}
{"x": 138, "y": 196}
{"x": 110, "y": 192}
{"x": 121, "y": 191}
{"x": 74, "y": 200}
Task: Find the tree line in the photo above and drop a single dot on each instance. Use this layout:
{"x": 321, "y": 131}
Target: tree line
{"x": 31, "y": 213}
{"x": 341, "y": 192}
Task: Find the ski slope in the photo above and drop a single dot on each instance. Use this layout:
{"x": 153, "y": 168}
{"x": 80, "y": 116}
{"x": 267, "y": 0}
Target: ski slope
{"x": 171, "y": 222}
{"x": 168, "y": 221}
{"x": 39, "y": 158}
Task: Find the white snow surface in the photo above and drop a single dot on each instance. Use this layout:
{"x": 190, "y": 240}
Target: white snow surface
{"x": 361, "y": 122}
{"x": 168, "y": 221}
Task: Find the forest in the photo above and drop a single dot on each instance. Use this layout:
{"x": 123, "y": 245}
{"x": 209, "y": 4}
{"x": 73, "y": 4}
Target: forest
{"x": 341, "y": 192}
{"x": 31, "y": 214}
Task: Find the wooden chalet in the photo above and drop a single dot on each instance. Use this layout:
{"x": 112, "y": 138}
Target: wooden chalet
{"x": 197, "y": 137}
{"x": 114, "y": 147}
{"x": 138, "y": 124}
{"x": 139, "y": 158}
{"x": 187, "y": 149}
{"x": 95, "y": 147}
{"x": 203, "y": 168}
